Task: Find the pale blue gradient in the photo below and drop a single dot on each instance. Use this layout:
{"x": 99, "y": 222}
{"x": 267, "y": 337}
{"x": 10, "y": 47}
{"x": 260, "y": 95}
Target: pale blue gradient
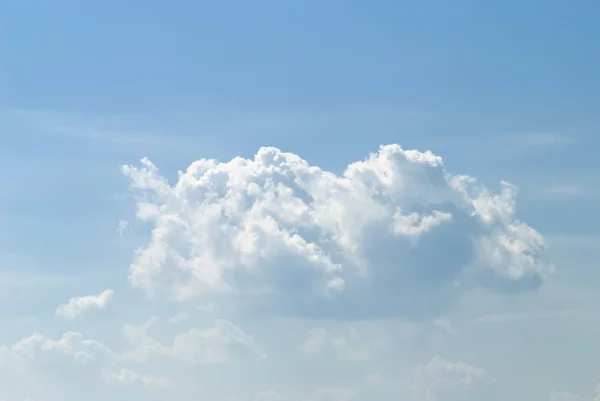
{"x": 502, "y": 90}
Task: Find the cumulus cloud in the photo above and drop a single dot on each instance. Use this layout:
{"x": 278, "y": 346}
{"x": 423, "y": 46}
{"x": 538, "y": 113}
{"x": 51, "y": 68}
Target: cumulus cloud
{"x": 441, "y": 379}
{"x": 43, "y": 368}
{"x": 71, "y": 345}
{"x": 79, "y": 305}
{"x": 217, "y": 344}
{"x": 73, "y": 363}
{"x": 394, "y": 234}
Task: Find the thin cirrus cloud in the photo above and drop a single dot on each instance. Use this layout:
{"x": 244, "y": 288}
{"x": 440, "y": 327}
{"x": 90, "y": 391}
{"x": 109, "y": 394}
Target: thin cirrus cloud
{"x": 77, "y": 306}
{"x": 394, "y": 235}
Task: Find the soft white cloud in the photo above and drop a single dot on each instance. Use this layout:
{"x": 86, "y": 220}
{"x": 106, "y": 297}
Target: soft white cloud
{"x": 72, "y": 363}
{"x": 71, "y": 345}
{"x": 568, "y": 396}
{"x": 351, "y": 346}
{"x": 179, "y": 318}
{"x": 217, "y": 344}
{"x": 78, "y": 305}
{"x": 42, "y": 368}
{"x": 393, "y": 237}
{"x": 122, "y": 227}
{"x": 270, "y": 395}
{"x": 320, "y": 394}
{"x": 564, "y": 396}
{"x": 376, "y": 380}
{"x": 445, "y": 325}
{"x": 441, "y": 379}
{"x": 335, "y": 394}
{"x": 395, "y": 234}
{"x": 367, "y": 387}
{"x": 127, "y": 377}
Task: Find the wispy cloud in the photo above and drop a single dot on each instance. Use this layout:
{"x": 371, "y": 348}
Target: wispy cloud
{"x": 544, "y": 139}
{"x": 554, "y": 314}
{"x": 206, "y": 126}
{"x": 11, "y": 279}
{"x": 109, "y": 129}
{"x": 486, "y": 147}
{"x": 576, "y": 242}
{"x": 509, "y": 140}
{"x": 567, "y": 191}
{"x": 122, "y": 227}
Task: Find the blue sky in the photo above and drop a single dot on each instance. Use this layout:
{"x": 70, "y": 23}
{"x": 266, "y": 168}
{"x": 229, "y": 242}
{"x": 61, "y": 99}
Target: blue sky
{"x": 390, "y": 279}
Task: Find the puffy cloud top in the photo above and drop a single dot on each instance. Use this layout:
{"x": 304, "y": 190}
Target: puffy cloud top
{"x": 395, "y": 234}
{"x": 71, "y": 344}
{"x": 78, "y": 305}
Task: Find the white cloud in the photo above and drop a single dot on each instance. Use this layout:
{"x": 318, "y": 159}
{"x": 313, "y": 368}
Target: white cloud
{"x": 335, "y": 394}
{"x": 270, "y": 395}
{"x": 367, "y": 387}
{"x": 179, "y": 318}
{"x": 78, "y": 305}
{"x": 320, "y": 394}
{"x": 122, "y": 227}
{"x": 445, "y": 325}
{"x": 71, "y": 344}
{"x": 42, "y": 368}
{"x": 375, "y": 380}
{"x": 72, "y": 359}
{"x": 564, "y": 396}
{"x": 217, "y": 344}
{"x": 351, "y": 346}
{"x": 127, "y": 377}
{"x": 568, "y": 396}
{"x": 396, "y": 224}
{"x": 440, "y": 379}
{"x": 393, "y": 236}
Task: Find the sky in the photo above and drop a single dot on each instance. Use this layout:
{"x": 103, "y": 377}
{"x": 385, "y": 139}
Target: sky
{"x": 299, "y": 201}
